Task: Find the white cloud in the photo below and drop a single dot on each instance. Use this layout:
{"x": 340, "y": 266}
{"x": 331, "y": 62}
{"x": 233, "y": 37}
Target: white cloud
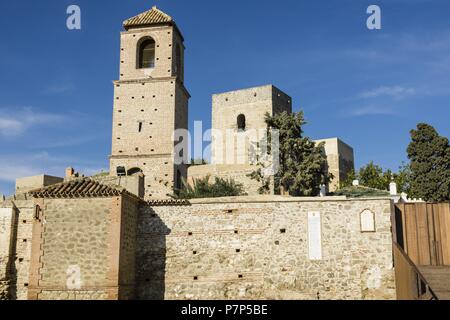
{"x": 395, "y": 92}
{"x": 10, "y": 172}
{"x": 58, "y": 88}
{"x": 370, "y": 110}
{"x": 10, "y": 126}
{"x": 15, "y": 121}
{"x": 68, "y": 141}
{"x": 21, "y": 165}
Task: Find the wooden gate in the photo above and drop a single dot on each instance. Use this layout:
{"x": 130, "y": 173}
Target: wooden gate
{"x": 422, "y": 230}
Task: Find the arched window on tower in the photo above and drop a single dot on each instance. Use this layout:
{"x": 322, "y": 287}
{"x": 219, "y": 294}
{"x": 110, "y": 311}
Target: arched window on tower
{"x": 134, "y": 171}
{"x": 146, "y": 54}
{"x": 241, "y": 122}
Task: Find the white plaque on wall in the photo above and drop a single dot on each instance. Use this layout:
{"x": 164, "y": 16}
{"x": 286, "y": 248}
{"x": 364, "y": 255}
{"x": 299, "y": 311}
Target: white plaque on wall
{"x": 314, "y": 236}
{"x": 367, "y": 221}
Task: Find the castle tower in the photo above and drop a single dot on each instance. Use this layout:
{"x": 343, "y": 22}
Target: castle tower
{"x": 239, "y": 112}
{"x": 150, "y": 102}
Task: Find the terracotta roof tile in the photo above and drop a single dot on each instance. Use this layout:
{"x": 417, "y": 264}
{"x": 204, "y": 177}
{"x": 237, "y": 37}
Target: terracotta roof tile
{"x": 90, "y": 188}
{"x": 84, "y": 187}
{"x": 153, "y": 16}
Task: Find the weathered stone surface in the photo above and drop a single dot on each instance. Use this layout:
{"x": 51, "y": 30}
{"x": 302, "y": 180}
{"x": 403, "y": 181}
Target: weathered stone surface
{"x": 248, "y": 249}
{"x": 237, "y": 248}
{"x": 75, "y": 235}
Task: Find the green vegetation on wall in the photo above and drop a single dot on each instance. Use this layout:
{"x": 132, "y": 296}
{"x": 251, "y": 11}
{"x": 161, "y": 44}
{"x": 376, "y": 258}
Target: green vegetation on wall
{"x": 203, "y": 188}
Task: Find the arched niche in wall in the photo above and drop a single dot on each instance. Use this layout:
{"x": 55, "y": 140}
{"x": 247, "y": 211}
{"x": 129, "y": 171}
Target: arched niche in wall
{"x": 367, "y": 221}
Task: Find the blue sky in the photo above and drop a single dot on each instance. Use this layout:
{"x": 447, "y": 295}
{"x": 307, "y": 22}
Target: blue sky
{"x": 367, "y": 87}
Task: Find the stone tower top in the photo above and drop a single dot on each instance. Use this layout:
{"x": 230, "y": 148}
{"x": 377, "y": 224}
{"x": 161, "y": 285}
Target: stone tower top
{"x": 148, "y": 18}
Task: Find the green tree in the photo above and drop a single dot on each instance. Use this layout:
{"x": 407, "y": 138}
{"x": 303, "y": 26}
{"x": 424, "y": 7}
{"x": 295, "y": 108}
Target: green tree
{"x": 348, "y": 181}
{"x": 302, "y": 163}
{"x": 403, "y": 179}
{"x": 198, "y": 162}
{"x": 429, "y": 154}
{"x": 373, "y": 176}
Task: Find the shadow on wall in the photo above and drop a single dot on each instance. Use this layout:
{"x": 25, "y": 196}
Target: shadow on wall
{"x": 11, "y": 270}
{"x": 151, "y": 255}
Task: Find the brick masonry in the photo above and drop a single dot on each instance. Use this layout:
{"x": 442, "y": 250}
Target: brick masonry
{"x": 149, "y": 104}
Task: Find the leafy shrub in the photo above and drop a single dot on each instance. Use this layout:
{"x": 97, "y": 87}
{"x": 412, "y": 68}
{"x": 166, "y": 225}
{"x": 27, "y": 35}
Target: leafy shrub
{"x": 203, "y": 188}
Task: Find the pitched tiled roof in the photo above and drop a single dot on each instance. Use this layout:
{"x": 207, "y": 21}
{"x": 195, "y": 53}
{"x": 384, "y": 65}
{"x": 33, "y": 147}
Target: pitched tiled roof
{"x": 90, "y": 188}
{"x": 84, "y": 187}
{"x": 153, "y": 16}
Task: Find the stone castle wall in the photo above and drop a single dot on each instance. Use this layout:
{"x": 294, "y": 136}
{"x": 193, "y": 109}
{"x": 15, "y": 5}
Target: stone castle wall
{"x": 7, "y": 221}
{"x": 26, "y": 184}
{"x": 257, "y": 248}
{"x": 74, "y": 253}
{"x": 15, "y": 246}
{"x": 128, "y": 249}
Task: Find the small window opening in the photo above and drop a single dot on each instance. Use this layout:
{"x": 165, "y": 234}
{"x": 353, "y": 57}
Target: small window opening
{"x": 241, "y": 122}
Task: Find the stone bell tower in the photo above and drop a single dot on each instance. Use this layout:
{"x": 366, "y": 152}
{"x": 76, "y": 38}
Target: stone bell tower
{"x": 150, "y": 102}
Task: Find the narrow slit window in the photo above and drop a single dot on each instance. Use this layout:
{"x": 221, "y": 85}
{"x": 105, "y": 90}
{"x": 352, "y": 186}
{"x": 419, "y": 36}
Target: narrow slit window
{"x": 140, "y": 127}
{"x": 241, "y": 122}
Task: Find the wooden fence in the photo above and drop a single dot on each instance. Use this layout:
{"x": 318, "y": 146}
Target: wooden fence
{"x": 422, "y": 230}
